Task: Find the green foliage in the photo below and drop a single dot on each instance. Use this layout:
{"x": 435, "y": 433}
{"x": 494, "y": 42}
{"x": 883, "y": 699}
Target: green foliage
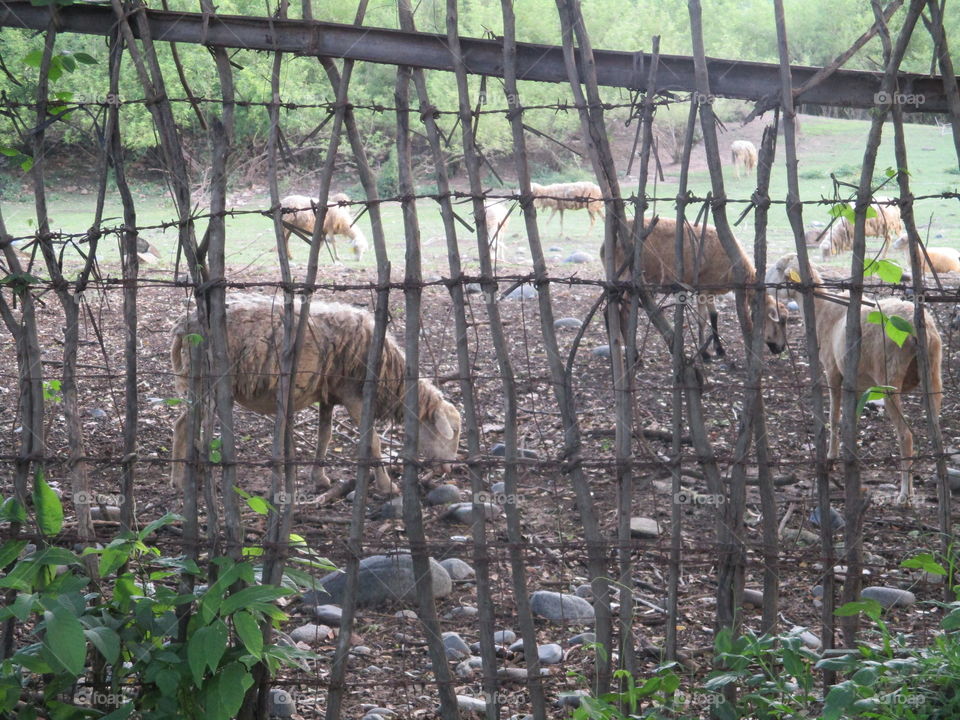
{"x": 160, "y": 660}
{"x": 898, "y": 329}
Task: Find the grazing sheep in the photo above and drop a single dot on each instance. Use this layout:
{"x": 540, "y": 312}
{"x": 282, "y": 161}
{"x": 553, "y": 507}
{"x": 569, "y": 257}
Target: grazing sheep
{"x": 331, "y": 370}
{"x": 882, "y": 362}
{"x": 496, "y": 217}
{"x": 337, "y": 221}
{"x": 744, "y": 155}
{"x": 707, "y": 269}
{"x": 569, "y": 196}
{"x": 886, "y": 224}
{"x": 941, "y": 259}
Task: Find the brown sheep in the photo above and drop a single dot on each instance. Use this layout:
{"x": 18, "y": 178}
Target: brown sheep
{"x": 886, "y": 224}
{"x": 331, "y": 371}
{"x": 569, "y": 196}
{"x": 941, "y": 259}
{"x": 337, "y": 221}
{"x": 882, "y": 362}
{"x": 706, "y": 268}
{"x": 744, "y": 156}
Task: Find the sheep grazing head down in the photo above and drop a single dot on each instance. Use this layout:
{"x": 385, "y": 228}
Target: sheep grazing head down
{"x": 775, "y": 326}
{"x": 439, "y": 434}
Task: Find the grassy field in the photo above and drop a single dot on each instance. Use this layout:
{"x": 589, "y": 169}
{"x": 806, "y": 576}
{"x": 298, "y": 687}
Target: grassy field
{"x": 826, "y": 146}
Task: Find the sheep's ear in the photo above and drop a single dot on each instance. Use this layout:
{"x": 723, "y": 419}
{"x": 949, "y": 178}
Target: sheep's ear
{"x": 442, "y": 425}
{"x": 774, "y": 315}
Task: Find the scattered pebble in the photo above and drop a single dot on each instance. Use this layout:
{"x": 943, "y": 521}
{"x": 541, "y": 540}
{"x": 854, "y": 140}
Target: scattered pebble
{"x": 471, "y": 705}
{"x": 601, "y": 351}
{"x": 549, "y": 654}
{"x": 443, "y": 495}
{"x": 328, "y": 614}
{"x": 753, "y": 598}
{"x": 500, "y": 450}
{"x": 458, "y": 569}
{"x": 472, "y": 289}
{"x": 889, "y": 597}
{"x": 579, "y": 257}
{"x": 836, "y": 519}
{"x": 463, "y": 512}
{"x": 568, "y": 323}
{"x": 504, "y": 637}
{"x": 561, "y": 607}
{"x": 644, "y": 527}
{"x": 310, "y": 633}
{"x": 521, "y": 292}
{"x": 583, "y": 639}
{"x": 455, "y": 646}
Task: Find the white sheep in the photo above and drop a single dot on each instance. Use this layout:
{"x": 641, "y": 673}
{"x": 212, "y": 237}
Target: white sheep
{"x": 744, "y": 156}
{"x": 331, "y": 371}
{"x": 882, "y": 362}
{"x": 886, "y": 224}
{"x": 707, "y": 269}
{"x": 497, "y": 216}
{"x": 301, "y": 212}
{"x": 941, "y": 259}
{"x": 569, "y": 196}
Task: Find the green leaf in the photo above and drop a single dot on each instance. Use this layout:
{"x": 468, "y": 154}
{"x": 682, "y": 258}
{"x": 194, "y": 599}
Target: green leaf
{"x": 10, "y": 551}
{"x": 49, "y": 509}
{"x": 106, "y": 641}
{"x": 27, "y": 164}
{"x": 838, "y": 700}
{"x": 224, "y": 694}
{"x": 259, "y": 505}
{"x": 33, "y": 58}
{"x": 718, "y": 682}
{"x": 250, "y": 596}
{"x": 8, "y": 151}
{"x": 888, "y": 270}
{"x": 12, "y": 511}
{"x": 64, "y": 639}
{"x": 173, "y": 402}
{"x": 249, "y": 633}
{"x": 85, "y": 59}
{"x": 193, "y": 338}
{"x": 205, "y": 649}
{"x": 68, "y": 63}
{"x": 865, "y": 676}
{"x": 121, "y": 713}
{"x": 875, "y": 392}
{"x": 951, "y": 621}
{"x": 925, "y": 562}
{"x": 899, "y": 329}
{"x": 871, "y": 608}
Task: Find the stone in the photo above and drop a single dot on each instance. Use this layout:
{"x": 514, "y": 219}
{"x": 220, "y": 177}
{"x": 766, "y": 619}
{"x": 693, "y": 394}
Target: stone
{"x": 107, "y": 512}
{"x": 465, "y": 670}
{"x": 458, "y": 569}
{"x": 498, "y": 488}
{"x": 310, "y": 633}
{"x": 554, "y": 248}
{"x": 753, "y": 598}
{"x": 463, "y": 512}
{"x": 500, "y": 450}
{"x": 406, "y": 615}
{"x": 504, "y": 637}
{"x": 571, "y": 699}
{"x": 561, "y": 607}
{"x": 549, "y": 654}
{"x": 472, "y": 289}
{"x": 462, "y": 611}
{"x": 443, "y": 495}
{"x": 382, "y": 579}
{"x": 792, "y": 306}
{"x": 583, "y": 639}
{"x": 888, "y": 597}
{"x": 953, "y": 477}
{"x": 455, "y": 647}
{"x": 801, "y": 535}
{"x": 567, "y": 323}
{"x": 471, "y": 705}
{"x": 514, "y": 674}
{"x": 522, "y": 292}
{"x": 328, "y": 614}
{"x": 281, "y": 704}
{"x": 585, "y": 591}
{"x": 601, "y": 351}
{"x": 836, "y": 519}
{"x": 644, "y": 527}
{"x": 391, "y": 510}
{"x": 578, "y": 257}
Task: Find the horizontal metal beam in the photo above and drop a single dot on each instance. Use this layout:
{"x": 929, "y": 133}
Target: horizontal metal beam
{"x": 728, "y": 78}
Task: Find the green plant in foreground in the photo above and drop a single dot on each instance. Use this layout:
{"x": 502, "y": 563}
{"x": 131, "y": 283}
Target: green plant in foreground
{"x": 129, "y": 641}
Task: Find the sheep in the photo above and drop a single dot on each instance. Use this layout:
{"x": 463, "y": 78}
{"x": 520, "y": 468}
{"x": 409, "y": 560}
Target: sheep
{"x": 882, "y": 362}
{"x": 495, "y": 212}
{"x": 814, "y": 236}
{"x": 744, "y": 156}
{"x": 886, "y": 224}
{"x": 940, "y": 259}
{"x": 337, "y": 221}
{"x": 331, "y": 370}
{"x": 569, "y": 196}
{"x": 705, "y": 267}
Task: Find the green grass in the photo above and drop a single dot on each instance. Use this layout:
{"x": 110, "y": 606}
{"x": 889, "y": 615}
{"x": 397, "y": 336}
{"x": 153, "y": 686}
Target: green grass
{"x": 826, "y": 146}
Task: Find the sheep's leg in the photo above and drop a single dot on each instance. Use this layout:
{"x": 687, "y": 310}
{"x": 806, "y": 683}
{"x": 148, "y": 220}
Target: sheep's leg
{"x": 286, "y": 242}
{"x": 561, "y": 222}
{"x": 384, "y": 484}
{"x": 714, "y": 317}
{"x": 834, "y": 418}
{"x": 324, "y": 433}
{"x": 894, "y": 411}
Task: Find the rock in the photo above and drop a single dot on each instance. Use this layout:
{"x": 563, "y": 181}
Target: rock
{"x": 498, "y": 488}
{"x": 472, "y": 289}
{"x": 106, "y": 512}
{"x": 889, "y": 597}
{"x": 753, "y": 598}
{"x": 513, "y": 674}
{"x": 567, "y": 323}
{"x": 406, "y": 615}
{"x": 382, "y": 579}
{"x": 504, "y": 637}
{"x": 281, "y": 704}
{"x": 555, "y": 248}
{"x": 361, "y": 651}
{"x": 462, "y": 611}
{"x": 810, "y": 640}
{"x": 471, "y": 705}
{"x": 644, "y": 527}
{"x": 836, "y": 519}
{"x": 801, "y": 535}
{"x": 549, "y": 654}
{"x": 585, "y": 591}
{"x": 465, "y": 670}
{"x": 310, "y": 633}
{"x": 457, "y": 569}
{"x": 443, "y": 495}
{"x": 516, "y": 645}
{"x": 455, "y": 647}
{"x": 328, "y": 614}
{"x": 561, "y": 607}
{"x": 500, "y": 450}
{"x": 953, "y": 477}
{"x": 601, "y": 351}
{"x": 522, "y": 292}
{"x": 792, "y": 306}
{"x": 571, "y": 699}
{"x": 97, "y": 413}
{"x": 583, "y": 639}
{"x": 579, "y": 257}
{"x": 463, "y": 512}
{"x": 390, "y": 510}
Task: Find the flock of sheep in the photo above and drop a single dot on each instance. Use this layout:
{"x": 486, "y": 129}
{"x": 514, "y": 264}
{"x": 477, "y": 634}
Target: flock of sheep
{"x": 332, "y": 366}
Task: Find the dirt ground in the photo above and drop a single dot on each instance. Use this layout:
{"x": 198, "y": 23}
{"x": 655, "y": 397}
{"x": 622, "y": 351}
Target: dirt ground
{"x": 396, "y": 673}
